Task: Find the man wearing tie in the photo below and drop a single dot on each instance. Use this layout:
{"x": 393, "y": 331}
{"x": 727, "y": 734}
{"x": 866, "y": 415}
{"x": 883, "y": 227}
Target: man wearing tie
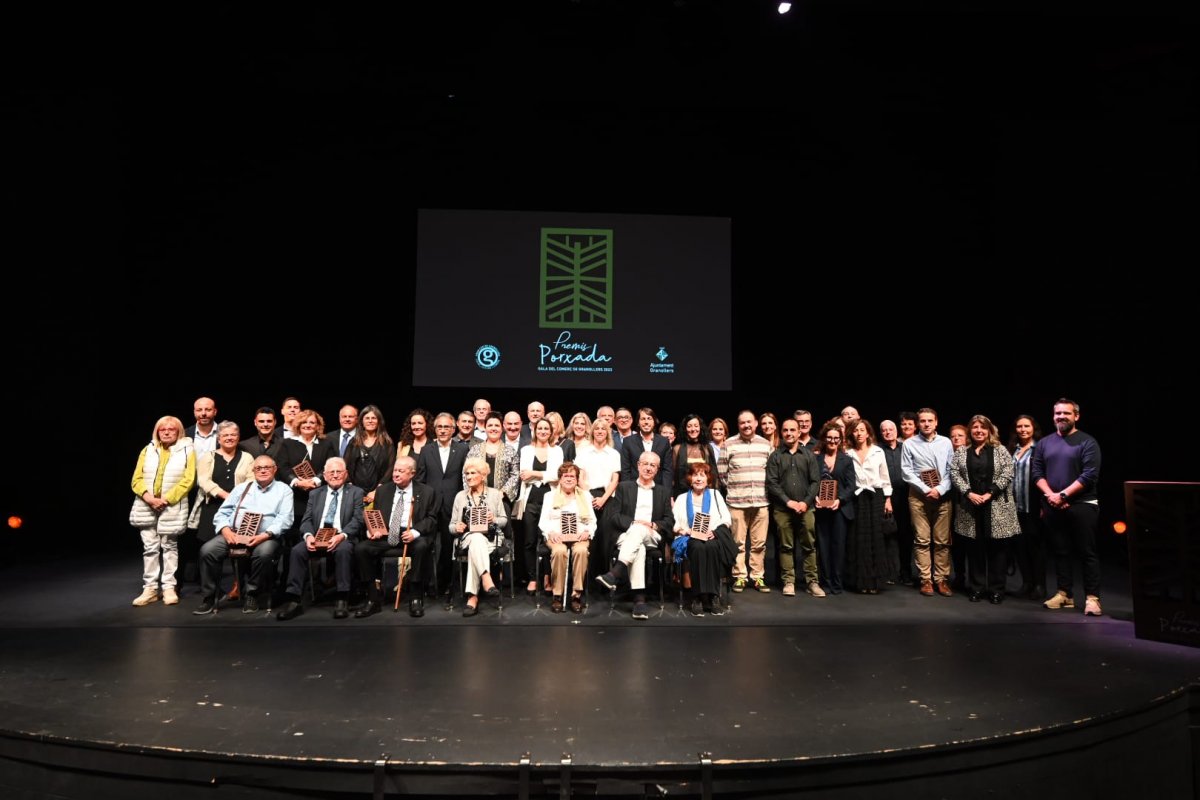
{"x": 348, "y": 420}
{"x": 335, "y": 504}
{"x": 411, "y": 510}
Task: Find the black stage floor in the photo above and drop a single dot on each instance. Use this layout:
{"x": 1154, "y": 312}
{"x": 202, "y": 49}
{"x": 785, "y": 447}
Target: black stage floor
{"x": 845, "y": 696}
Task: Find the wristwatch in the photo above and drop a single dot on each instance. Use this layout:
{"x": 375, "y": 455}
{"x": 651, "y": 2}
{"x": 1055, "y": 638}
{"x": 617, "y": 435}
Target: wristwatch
{"x": 1062, "y": 495}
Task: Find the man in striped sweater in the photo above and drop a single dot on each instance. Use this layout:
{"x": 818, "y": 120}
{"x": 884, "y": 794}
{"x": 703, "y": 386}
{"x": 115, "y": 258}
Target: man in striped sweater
{"x": 743, "y": 468}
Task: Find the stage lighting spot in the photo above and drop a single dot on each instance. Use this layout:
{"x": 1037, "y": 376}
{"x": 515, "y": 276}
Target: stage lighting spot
{"x": 15, "y": 522}
{"x": 1119, "y": 527}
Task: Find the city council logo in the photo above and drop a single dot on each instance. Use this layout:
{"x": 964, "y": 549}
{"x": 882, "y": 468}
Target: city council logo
{"x": 488, "y": 356}
{"x": 576, "y": 278}
{"x": 662, "y": 354}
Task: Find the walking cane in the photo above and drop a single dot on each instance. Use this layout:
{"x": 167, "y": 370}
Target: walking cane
{"x": 404, "y": 557}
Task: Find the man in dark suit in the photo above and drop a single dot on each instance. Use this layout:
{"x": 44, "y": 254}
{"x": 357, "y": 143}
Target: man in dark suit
{"x": 533, "y": 412}
{"x": 646, "y": 441}
{"x": 440, "y": 466}
{"x": 297, "y": 450}
{"x": 637, "y": 516}
{"x": 410, "y": 510}
{"x": 338, "y": 505}
{"x": 268, "y": 441}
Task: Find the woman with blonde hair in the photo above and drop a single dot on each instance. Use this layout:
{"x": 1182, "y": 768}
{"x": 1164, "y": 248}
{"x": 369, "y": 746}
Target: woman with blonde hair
{"x": 478, "y": 545}
{"x": 165, "y": 472}
{"x": 982, "y": 472}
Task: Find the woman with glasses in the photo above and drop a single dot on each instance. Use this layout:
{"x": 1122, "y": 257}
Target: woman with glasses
{"x": 165, "y": 472}
{"x": 567, "y": 498}
{"x": 832, "y": 519}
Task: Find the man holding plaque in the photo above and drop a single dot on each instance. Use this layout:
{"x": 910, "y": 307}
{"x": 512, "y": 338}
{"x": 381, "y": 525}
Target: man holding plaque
{"x": 269, "y": 503}
{"x": 408, "y": 511}
{"x": 333, "y": 521}
{"x": 925, "y": 462}
{"x": 793, "y": 477}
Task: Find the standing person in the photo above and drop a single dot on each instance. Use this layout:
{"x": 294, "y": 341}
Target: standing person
{"x": 646, "y": 441}
{"x": 466, "y": 427}
{"x": 987, "y": 518}
{"x": 268, "y": 439}
{"x": 694, "y": 447}
{"x": 718, "y": 432}
{"x": 899, "y": 540}
{"x": 440, "y": 466}
{"x": 370, "y": 453}
{"x": 831, "y": 521}
{"x": 347, "y": 425}
{"x": 479, "y": 415}
{"x": 415, "y": 433}
{"x": 908, "y": 425}
{"x": 624, "y": 423}
{"x": 867, "y": 562}
{"x": 667, "y": 429}
{"x": 217, "y": 472}
{"x": 533, "y": 412}
{"x": 793, "y": 477}
{"x": 504, "y": 465}
{"x": 203, "y": 433}
{"x": 308, "y": 445}
{"x": 558, "y": 428}
{"x": 804, "y": 419}
{"x": 599, "y": 465}
{"x": 539, "y": 463}
{"x": 1066, "y": 469}
{"x": 289, "y": 410}
{"x": 925, "y": 464}
{"x": 1031, "y": 544}
{"x": 579, "y": 433}
{"x": 768, "y": 428}
{"x": 162, "y": 478}
{"x": 743, "y": 468}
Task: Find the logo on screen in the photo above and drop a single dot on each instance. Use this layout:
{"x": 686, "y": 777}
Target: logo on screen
{"x": 487, "y": 357}
{"x": 576, "y": 278}
{"x": 662, "y": 354}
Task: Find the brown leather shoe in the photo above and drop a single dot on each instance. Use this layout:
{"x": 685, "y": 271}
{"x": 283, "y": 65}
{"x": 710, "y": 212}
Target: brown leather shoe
{"x": 927, "y": 588}
{"x": 556, "y": 605}
{"x": 577, "y": 605}
{"x": 944, "y": 589}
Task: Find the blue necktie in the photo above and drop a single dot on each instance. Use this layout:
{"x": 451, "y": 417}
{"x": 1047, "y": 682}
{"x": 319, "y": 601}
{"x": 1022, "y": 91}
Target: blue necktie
{"x": 331, "y": 515}
{"x": 345, "y": 441}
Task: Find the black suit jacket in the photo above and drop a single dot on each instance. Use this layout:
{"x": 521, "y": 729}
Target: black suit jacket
{"x": 447, "y": 483}
{"x": 631, "y": 451}
{"x": 426, "y": 504}
{"x": 847, "y": 478}
{"x": 350, "y": 511}
{"x": 619, "y": 511}
{"x": 253, "y": 445}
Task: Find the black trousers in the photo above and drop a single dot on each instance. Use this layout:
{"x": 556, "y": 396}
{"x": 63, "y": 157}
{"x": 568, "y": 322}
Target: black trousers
{"x": 1073, "y": 530}
{"x": 988, "y": 563}
{"x": 369, "y": 552}
{"x": 343, "y": 557}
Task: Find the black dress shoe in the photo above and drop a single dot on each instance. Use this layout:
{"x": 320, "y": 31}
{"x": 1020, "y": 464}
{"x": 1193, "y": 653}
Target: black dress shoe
{"x": 492, "y": 592}
{"x": 367, "y": 610}
{"x": 975, "y": 596}
{"x": 340, "y": 609}
{"x": 250, "y": 605}
{"x": 996, "y": 598}
{"x": 291, "y": 609}
{"x": 470, "y": 611}
{"x": 206, "y": 607}
{"x": 416, "y": 607}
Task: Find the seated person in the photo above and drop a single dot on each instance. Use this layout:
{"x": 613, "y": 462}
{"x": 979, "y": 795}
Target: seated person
{"x": 639, "y": 514}
{"x": 709, "y": 554}
{"x": 337, "y": 505}
{"x": 263, "y": 495}
{"x": 569, "y": 498}
{"x": 411, "y": 511}
{"x": 478, "y": 544}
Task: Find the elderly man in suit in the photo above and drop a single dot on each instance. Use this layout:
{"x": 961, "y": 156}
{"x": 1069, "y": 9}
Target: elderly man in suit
{"x": 411, "y": 512}
{"x": 338, "y": 505}
{"x": 639, "y": 514}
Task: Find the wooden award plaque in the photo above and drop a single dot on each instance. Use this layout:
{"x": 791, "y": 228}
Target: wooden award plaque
{"x": 246, "y": 530}
{"x": 324, "y": 537}
{"x": 569, "y": 526}
{"x": 477, "y": 522}
{"x": 375, "y": 522}
{"x": 827, "y": 495}
{"x": 931, "y": 478}
{"x": 701, "y": 522}
{"x": 304, "y": 470}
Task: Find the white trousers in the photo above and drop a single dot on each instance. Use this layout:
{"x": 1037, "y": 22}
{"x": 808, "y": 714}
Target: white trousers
{"x": 160, "y": 559}
{"x": 479, "y": 559}
{"x": 631, "y": 550}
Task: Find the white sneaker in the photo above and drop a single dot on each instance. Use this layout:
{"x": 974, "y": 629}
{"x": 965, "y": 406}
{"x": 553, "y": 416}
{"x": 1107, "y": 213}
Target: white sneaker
{"x": 815, "y": 589}
{"x": 147, "y": 597}
{"x": 170, "y": 597}
{"x": 1092, "y": 607}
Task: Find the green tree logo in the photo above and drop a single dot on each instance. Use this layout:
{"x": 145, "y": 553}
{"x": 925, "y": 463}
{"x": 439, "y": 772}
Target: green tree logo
{"x": 576, "y": 278}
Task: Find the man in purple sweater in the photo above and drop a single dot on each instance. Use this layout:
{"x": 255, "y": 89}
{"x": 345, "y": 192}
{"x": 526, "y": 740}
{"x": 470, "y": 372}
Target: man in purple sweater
{"x": 1066, "y": 468}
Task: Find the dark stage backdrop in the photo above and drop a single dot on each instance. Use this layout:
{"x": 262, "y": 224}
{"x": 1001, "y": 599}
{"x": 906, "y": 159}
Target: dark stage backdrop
{"x": 571, "y": 301}
{"x": 978, "y": 209}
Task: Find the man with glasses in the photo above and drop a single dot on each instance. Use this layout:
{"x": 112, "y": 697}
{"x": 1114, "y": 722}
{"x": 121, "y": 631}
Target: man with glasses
{"x": 334, "y": 504}
{"x": 440, "y": 466}
{"x": 925, "y": 462}
{"x": 263, "y": 495}
{"x": 624, "y": 423}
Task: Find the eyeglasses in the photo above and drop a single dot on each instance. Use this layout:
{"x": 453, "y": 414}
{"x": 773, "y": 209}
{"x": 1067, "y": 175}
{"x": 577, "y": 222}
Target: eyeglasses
{"x": 833, "y": 438}
{"x": 263, "y": 469}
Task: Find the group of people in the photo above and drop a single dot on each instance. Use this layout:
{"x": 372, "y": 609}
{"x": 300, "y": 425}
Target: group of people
{"x": 613, "y": 497}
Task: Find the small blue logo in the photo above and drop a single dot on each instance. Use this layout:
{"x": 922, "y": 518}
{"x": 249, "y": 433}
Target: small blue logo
{"x": 488, "y": 357}
{"x": 662, "y": 354}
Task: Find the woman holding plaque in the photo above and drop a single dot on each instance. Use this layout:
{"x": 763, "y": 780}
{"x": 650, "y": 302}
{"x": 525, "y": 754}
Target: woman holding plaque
{"x": 567, "y": 521}
{"x": 703, "y": 518}
{"x": 165, "y": 472}
{"x": 867, "y": 562}
{"x": 478, "y": 519}
{"x": 982, "y": 473}
{"x": 835, "y": 504}
{"x": 303, "y": 461}
{"x": 540, "y": 461}
{"x": 504, "y": 465}
{"x": 414, "y": 434}
{"x": 217, "y": 472}
{"x": 371, "y": 453}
